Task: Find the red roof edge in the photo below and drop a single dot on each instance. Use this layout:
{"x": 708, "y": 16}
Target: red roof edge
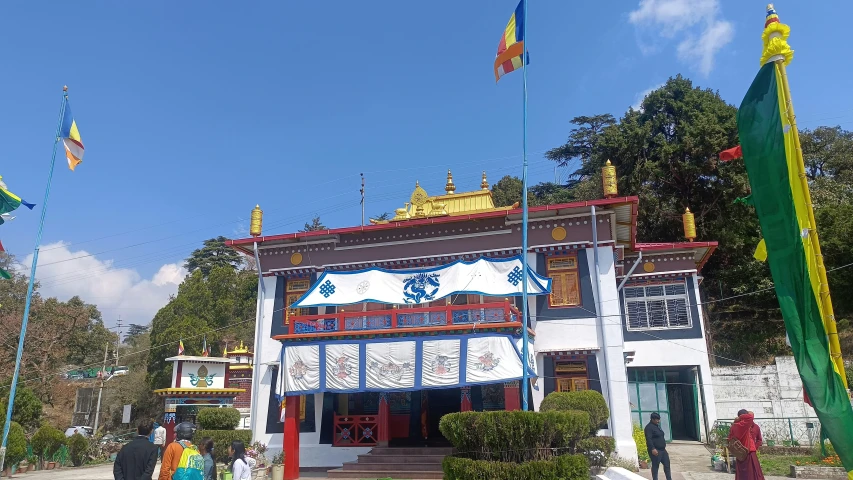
{"x": 429, "y": 221}
{"x": 651, "y": 247}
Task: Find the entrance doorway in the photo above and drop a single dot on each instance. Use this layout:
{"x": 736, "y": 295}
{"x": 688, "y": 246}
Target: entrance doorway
{"x": 673, "y": 393}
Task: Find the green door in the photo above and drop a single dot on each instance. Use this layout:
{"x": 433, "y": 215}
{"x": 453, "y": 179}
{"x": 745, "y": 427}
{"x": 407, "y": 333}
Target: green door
{"x": 647, "y": 393}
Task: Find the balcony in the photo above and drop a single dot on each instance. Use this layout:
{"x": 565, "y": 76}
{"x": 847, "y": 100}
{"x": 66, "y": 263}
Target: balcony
{"x": 423, "y": 320}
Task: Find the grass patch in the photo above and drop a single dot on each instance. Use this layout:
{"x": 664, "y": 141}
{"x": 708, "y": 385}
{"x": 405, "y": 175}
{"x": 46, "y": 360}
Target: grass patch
{"x": 780, "y": 465}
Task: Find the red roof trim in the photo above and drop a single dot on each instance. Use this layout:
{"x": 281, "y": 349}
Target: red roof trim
{"x": 651, "y": 247}
{"x": 431, "y": 221}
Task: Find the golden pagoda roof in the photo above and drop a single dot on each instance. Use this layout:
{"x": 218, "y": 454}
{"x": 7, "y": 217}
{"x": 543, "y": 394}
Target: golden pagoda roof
{"x": 241, "y": 350}
{"x": 422, "y": 205}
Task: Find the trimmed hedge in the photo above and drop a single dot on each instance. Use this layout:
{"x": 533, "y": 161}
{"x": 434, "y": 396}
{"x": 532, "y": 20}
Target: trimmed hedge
{"x": 218, "y": 418}
{"x": 47, "y": 441}
{"x": 597, "y": 449}
{"x": 588, "y": 401}
{"x": 640, "y": 440}
{"x": 16, "y": 444}
{"x": 515, "y": 436}
{"x": 78, "y": 448}
{"x": 564, "y": 467}
{"x": 222, "y": 440}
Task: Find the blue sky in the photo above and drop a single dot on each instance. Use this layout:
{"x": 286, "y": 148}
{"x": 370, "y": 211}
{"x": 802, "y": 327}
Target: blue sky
{"x": 192, "y": 112}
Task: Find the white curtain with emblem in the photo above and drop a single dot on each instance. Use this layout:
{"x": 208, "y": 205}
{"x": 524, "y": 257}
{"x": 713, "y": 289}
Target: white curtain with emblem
{"x": 390, "y": 365}
{"x": 342, "y": 366}
{"x": 492, "y": 359}
{"x": 302, "y": 368}
{"x": 440, "y": 366}
{"x": 485, "y": 276}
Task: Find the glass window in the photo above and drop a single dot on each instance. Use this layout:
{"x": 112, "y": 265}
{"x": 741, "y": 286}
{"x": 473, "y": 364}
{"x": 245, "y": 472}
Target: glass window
{"x": 657, "y": 306}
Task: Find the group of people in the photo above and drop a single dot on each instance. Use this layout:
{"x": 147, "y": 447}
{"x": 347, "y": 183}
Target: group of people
{"x": 181, "y": 459}
{"x": 744, "y": 435}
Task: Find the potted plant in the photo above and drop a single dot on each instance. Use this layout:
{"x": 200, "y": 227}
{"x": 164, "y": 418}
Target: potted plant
{"x": 32, "y": 461}
{"x": 278, "y": 465}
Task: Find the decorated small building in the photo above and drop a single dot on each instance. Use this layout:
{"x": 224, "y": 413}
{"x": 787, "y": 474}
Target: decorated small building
{"x": 240, "y": 377}
{"x": 369, "y": 334}
{"x": 196, "y": 382}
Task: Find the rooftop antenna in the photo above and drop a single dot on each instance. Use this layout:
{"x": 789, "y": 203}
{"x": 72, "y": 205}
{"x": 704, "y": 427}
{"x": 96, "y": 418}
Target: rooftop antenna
{"x": 362, "y": 199}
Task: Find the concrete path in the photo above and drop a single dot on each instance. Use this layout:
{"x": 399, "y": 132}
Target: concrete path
{"x": 98, "y": 472}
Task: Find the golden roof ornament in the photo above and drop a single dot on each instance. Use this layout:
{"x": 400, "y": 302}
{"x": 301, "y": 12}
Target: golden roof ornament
{"x": 608, "y": 180}
{"x": 256, "y": 222}
{"x": 450, "y": 188}
{"x": 689, "y": 223}
{"x": 775, "y": 39}
{"x": 419, "y": 199}
{"x": 485, "y": 183}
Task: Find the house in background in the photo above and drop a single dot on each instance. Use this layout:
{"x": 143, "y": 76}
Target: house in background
{"x": 606, "y": 312}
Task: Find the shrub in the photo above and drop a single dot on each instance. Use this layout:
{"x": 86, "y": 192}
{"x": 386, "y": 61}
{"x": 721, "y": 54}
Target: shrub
{"x": 218, "y": 418}
{"x": 514, "y": 436}
{"x": 47, "y": 441}
{"x": 78, "y": 448}
{"x": 16, "y": 444}
{"x": 640, "y": 440}
{"x": 588, "y": 401}
{"x": 222, "y": 440}
{"x": 597, "y": 449}
{"x": 564, "y": 467}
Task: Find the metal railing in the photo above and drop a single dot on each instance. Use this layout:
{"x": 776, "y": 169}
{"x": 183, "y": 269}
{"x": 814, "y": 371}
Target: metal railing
{"x": 777, "y": 432}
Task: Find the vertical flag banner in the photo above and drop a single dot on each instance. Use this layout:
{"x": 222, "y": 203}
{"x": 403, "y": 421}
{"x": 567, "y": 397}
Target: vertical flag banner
{"x": 71, "y": 139}
{"x": 781, "y": 198}
{"x": 181, "y": 347}
{"x": 511, "y": 46}
{"x": 9, "y": 201}
{"x": 3, "y": 273}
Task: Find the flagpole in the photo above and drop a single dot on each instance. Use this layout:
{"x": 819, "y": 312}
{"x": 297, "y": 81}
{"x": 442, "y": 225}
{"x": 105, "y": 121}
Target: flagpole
{"x": 525, "y": 341}
{"x": 23, "y": 333}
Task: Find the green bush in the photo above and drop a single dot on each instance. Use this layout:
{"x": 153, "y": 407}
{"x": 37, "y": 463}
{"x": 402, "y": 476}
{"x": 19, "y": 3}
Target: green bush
{"x": 640, "y": 440}
{"x": 564, "y": 467}
{"x": 514, "y": 436}
{"x": 78, "y": 449}
{"x": 16, "y": 444}
{"x": 597, "y": 449}
{"x": 47, "y": 441}
{"x": 218, "y": 418}
{"x": 222, "y": 440}
{"x": 588, "y": 401}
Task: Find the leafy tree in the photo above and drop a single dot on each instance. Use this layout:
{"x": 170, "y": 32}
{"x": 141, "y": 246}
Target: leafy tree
{"x": 28, "y": 407}
{"x": 135, "y": 331}
{"x": 16, "y": 443}
{"x": 314, "y": 226}
{"x": 213, "y": 254}
{"x": 581, "y": 142}
{"x": 384, "y": 216}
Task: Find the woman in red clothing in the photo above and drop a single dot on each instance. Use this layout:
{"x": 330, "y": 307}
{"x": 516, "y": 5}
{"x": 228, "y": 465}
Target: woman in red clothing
{"x": 744, "y": 430}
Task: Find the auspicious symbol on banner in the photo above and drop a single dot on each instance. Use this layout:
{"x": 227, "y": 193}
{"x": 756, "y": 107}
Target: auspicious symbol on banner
{"x": 514, "y": 277}
{"x": 362, "y": 287}
{"x": 420, "y": 287}
{"x": 441, "y": 365}
{"x": 202, "y": 379}
{"x": 342, "y": 367}
{"x": 298, "y": 370}
{"x": 391, "y": 370}
{"x": 327, "y": 289}
{"x": 487, "y": 362}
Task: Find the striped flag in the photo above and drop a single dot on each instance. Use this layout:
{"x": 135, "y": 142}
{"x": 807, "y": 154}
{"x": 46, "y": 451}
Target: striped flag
{"x": 9, "y": 201}
{"x": 511, "y": 46}
{"x": 4, "y": 273}
{"x": 181, "y": 347}
{"x": 71, "y": 139}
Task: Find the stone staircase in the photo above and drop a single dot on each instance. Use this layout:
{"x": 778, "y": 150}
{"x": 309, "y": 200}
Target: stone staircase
{"x": 415, "y": 463}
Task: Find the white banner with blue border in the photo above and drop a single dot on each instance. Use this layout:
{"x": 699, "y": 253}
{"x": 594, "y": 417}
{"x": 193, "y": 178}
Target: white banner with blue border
{"x": 400, "y": 364}
{"x": 485, "y": 276}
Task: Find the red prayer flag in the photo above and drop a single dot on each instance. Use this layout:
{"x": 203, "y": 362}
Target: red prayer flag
{"x": 731, "y": 154}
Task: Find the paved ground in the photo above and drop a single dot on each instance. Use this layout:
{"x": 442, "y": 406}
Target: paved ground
{"x": 99, "y": 472}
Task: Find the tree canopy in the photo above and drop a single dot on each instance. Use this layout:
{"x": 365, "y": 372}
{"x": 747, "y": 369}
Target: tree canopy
{"x": 314, "y": 226}
{"x": 214, "y": 253}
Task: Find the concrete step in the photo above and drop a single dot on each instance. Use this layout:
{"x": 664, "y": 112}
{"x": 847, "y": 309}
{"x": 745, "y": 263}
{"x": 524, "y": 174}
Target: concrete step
{"x": 395, "y": 475}
{"x": 409, "y": 466}
{"x": 372, "y": 458}
{"x": 411, "y": 451}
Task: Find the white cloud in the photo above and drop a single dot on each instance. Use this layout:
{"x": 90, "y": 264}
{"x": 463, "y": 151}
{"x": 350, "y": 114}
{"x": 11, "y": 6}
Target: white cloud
{"x": 116, "y": 291}
{"x": 698, "y": 24}
{"x": 638, "y": 100}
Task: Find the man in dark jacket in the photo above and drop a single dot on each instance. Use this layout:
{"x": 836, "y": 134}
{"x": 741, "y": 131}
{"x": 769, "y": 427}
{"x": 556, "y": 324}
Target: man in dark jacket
{"x": 656, "y": 443}
{"x": 137, "y": 459}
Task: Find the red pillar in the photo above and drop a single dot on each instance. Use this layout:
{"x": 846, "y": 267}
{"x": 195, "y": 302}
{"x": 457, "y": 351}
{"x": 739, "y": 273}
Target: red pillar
{"x": 383, "y": 436}
{"x": 291, "y": 438}
{"x": 465, "y": 405}
{"x": 512, "y": 399}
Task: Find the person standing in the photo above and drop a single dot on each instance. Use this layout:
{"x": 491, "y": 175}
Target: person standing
{"x": 205, "y": 448}
{"x": 744, "y": 431}
{"x": 239, "y": 466}
{"x": 137, "y": 459}
{"x": 172, "y": 453}
{"x": 159, "y": 439}
{"x": 656, "y": 443}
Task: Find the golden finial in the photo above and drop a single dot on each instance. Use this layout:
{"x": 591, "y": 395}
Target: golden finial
{"x": 485, "y": 183}
{"x": 775, "y": 39}
{"x": 419, "y": 199}
{"x": 256, "y": 222}
{"x": 689, "y": 223}
{"x": 449, "y": 187}
{"x": 608, "y": 180}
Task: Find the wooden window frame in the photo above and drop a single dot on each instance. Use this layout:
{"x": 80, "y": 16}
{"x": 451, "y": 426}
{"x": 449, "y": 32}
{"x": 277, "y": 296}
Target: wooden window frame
{"x": 291, "y": 294}
{"x": 565, "y": 272}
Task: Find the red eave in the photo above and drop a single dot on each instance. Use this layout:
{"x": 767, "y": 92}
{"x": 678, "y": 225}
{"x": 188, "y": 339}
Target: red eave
{"x": 434, "y": 221}
{"x": 651, "y": 247}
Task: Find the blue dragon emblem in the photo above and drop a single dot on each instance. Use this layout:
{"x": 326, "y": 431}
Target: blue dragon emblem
{"x": 420, "y": 287}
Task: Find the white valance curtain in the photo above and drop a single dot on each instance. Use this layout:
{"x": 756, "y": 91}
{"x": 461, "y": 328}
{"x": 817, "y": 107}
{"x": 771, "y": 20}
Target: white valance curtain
{"x": 485, "y": 276}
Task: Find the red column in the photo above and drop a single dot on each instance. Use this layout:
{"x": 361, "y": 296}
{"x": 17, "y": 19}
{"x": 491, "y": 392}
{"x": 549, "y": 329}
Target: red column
{"x": 291, "y": 438}
{"x": 512, "y": 399}
{"x": 383, "y": 436}
{"x": 465, "y": 405}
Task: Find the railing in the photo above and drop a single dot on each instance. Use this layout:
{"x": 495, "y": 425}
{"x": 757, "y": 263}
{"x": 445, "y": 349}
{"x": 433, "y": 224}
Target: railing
{"x": 777, "y": 432}
{"x": 403, "y": 318}
{"x": 355, "y": 430}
